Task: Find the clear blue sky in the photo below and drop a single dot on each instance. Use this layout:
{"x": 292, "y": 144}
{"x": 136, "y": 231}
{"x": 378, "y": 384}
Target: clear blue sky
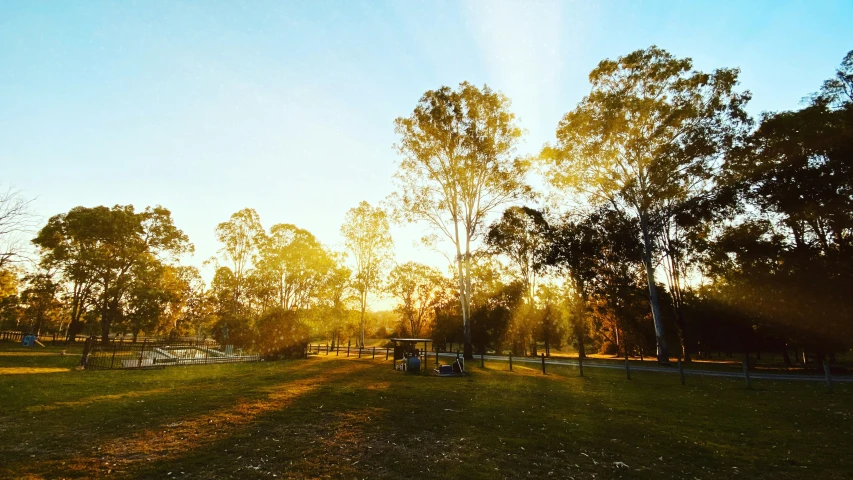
{"x": 288, "y": 107}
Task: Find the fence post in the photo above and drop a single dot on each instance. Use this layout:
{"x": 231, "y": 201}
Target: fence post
{"x": 828, "y": 376}
{"x": 348, "y": 344}
{"x": 510, "y": 361}
{"x": 543, "y": 364}
{"x": 338, "y": 348}
{"x": 482, "y": 361}
{"x": 84, "y": 359}
{"x": 327, "y": 349}
{"x": 374, "y": 353}
{"x": 142, "y": 352}
{"x": 113, "y": 359}
{"x": 386, "y": 353}
{"x": 746, "y": 370}
{"x": 436, "y": 357}
{"x": 681, "y": 370}
{"x": 627, "y": 366}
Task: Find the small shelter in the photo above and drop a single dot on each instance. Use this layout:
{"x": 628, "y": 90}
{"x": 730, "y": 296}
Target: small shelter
{"x": 407, "y": 347}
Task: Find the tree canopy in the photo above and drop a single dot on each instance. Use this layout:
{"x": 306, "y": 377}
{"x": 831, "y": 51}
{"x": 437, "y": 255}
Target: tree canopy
{"x": 367, "y": 237}
{"x": 458, "y": 165}
{"x": 649, "y": 133}
{"x": 671, "y": 216}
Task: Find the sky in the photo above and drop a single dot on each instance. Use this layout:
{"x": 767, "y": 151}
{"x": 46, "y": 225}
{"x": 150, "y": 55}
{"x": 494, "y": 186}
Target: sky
{"x": 288, "y": 107}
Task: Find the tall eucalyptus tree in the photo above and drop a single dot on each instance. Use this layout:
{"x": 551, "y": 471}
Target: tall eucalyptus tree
{"x": 651, "y": 130}
{"x": 458, "y": 165}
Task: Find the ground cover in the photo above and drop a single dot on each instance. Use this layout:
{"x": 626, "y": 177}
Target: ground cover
{"x": 333, "y": 417}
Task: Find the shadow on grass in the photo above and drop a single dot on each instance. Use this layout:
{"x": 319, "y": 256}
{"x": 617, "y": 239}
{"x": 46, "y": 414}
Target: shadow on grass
{"x": 495, "y": 424}
{"x": 113, "y": 413}
{"x": 332, "y": 418}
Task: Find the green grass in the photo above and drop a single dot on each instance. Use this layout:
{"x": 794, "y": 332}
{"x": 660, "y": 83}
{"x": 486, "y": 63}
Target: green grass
{"x": 329, "y": 417}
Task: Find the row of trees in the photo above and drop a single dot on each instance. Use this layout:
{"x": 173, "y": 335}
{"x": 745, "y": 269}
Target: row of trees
{"x": 117, "y": 270}
{"x": 677, "y": 218}
{"x": 665, "y": 170}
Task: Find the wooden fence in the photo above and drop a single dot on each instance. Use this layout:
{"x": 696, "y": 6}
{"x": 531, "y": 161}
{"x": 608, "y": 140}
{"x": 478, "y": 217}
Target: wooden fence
{"x": 427, "y": 359}
{"x": 51, "y": 338}
{"x": 384, "y": 353}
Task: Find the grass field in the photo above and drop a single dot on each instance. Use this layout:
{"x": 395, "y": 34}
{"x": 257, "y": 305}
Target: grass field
{"x": 328, "y": 417}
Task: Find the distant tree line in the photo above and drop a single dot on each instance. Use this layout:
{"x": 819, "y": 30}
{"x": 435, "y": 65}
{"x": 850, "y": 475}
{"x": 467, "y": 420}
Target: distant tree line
{"x": 672, "y": 218}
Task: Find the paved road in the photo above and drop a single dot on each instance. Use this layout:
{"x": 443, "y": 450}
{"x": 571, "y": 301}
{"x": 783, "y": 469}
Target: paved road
{"x": 659, "y": 368}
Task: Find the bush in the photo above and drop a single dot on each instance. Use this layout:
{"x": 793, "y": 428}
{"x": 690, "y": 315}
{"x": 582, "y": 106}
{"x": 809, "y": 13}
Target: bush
{"x": 281, "y": 334}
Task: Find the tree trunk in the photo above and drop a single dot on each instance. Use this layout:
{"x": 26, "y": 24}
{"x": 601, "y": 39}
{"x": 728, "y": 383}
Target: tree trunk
{"x": 547, "y": 343}
{"x": 682, "y": 334}
{"x": 105, "y": 318}
{"x": 74, "y": 329}
{"x": 463, "y": 299}
{"x": 663, "y": 352}
{"x": 362, "y": 320}
{"x": 469, "y": 350}
{"x": 579, "y": 336}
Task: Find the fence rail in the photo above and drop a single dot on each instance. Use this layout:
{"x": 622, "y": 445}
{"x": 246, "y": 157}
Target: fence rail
{"x": 158, "y": 354}
{"x": 52, "y": 338}
{"x": 57, "y": 338}
{"x": 384, "y": 353}
{"x": 433, "y": 358}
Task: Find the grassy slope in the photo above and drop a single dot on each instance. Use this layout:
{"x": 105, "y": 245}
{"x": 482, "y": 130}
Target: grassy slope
{"x": 336, "y": 417}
